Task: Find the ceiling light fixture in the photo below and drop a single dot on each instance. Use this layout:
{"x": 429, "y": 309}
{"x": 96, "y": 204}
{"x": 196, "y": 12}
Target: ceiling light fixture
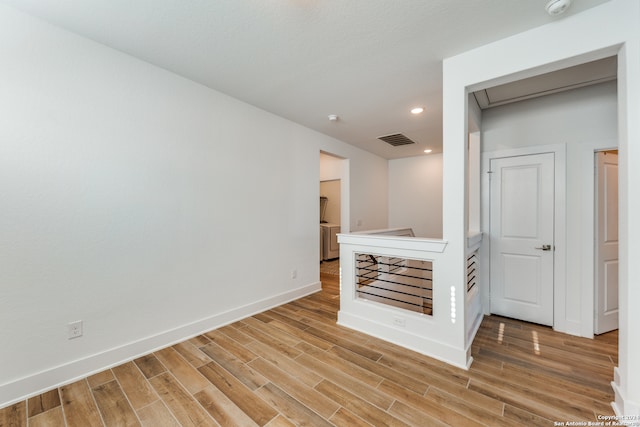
{"x": 417, "y": 110}
{"x": 557, "y": 7}
{"x": 428, "y": 150}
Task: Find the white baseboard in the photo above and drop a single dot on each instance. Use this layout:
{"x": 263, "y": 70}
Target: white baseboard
{"x": 475, "y": 327}
{"x": 627, "y": 412}
{"x": 40, "y": 382}
{"x": 444, "y": 352}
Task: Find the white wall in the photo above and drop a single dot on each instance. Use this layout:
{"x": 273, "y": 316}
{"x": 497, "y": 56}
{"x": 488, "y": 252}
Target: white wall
{"x": 474, "y": 179}
{"x": 330, "y": 167}
{"x": 368, "y": 197}
{"x": 572, "y": 117}
{"x": 332, "y": 177}
{"x": 474, "y": 121}
{"x": 331, "y": 190}
{"x": 579, "y": 118}
{"x": 415, "y": 187}
{"x": 415, "y": 194}
{"x": 141, "y": 203}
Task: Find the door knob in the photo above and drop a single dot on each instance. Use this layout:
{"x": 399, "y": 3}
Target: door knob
{"x": 545, "y": 248}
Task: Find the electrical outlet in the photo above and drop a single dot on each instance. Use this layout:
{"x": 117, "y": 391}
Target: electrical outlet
{"x": 294, "y": 274}
{"x": 74, "y": 329}
{"x": 399, "y": 321}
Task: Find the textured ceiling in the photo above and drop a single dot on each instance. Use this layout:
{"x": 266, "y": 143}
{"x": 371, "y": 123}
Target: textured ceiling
{"x": 368, "y": 61}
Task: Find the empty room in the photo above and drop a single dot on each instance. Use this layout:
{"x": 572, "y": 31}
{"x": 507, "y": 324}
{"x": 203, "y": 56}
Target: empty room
{"x": 163, "y": 257}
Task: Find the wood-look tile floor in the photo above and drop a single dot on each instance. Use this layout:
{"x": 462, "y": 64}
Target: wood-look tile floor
{"x": 293, "y": 365}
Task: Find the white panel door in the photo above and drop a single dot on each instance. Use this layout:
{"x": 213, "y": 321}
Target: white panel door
{"x": 521, "y": 232}
{"x": 606, "y": 265}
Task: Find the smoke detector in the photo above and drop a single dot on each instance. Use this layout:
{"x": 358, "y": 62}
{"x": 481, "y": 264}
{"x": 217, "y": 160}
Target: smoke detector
{"x": 557, "y": 7}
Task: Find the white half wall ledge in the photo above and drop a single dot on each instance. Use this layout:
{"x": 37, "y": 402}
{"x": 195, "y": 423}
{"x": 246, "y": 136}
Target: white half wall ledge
{"x": 394, "y": 242}
{"x": 23, "y": 388}
{"x": 474, "y": 240}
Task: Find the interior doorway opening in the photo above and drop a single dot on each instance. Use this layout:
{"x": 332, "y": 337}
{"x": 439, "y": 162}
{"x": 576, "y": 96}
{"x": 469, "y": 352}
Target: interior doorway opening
{"x": 333, "y": 208}
{"x": 330, "y": 201}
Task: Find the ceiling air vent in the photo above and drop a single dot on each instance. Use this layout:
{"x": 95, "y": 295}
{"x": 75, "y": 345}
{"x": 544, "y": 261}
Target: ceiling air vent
{"x": 396, "y": 139}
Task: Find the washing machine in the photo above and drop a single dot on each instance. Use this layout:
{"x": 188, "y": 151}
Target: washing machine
{"x": 329, "y": 241}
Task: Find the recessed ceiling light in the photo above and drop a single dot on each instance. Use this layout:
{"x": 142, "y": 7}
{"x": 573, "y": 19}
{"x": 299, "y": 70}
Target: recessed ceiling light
{"x": 417, "y": 110}
{"x": 428, "y": 150}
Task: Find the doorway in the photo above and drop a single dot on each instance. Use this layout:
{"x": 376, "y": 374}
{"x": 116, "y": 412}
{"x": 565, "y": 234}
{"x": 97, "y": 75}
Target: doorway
{"x": 334, "y": 207}
{"x": 330, "y": 201}
{"x": 558, "y": 243}
{"x": 521, "y": 232}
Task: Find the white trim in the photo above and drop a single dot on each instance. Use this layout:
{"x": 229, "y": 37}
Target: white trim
{"x": 473, "y": 241}
{"x": 394, "y": 242}
{"x": 40, "y": 382}
{"x": 345, "y": 195}
{"x": 560, "y": 323}
{"x": 473, "y": 308}
{"x": 627, "y": 411}
{"x": 587, "y": 231}
{"x": 398, "y": 231}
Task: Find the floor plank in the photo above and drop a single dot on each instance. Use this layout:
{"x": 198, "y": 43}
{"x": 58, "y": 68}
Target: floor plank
{"x": 242, "y": 371}
{"x": 429, "y": 407}
{"x": 346, "y": 381}
{"x": 344, "y": 417}
{"x": 231, "y": 345}
{"x": 79, "y": 406}
{"x": 182, "y": 405}
{"x": 188, "y": 375}
{"x": 100, "y": 378}
{"x": 291, "y": 408}
{"x": 238, "y": 393}
{"x": 292, "y": 366}
{"x": 138, "y": 391}
{"x": 381, "y": 371}
{"x": 222, "y": 409}
{"x": 192, "y": 353}
{"x": 157, "y": 414}
{"x": 302, "y": 392}
{"x": 14, "y": 415}
{"x": 51, "y": 418}
{"x": 114, "y": 406}
{"x": 43, "y": 402}
{"x": 150, "y": 366}
{"x": 359, "y": 406}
